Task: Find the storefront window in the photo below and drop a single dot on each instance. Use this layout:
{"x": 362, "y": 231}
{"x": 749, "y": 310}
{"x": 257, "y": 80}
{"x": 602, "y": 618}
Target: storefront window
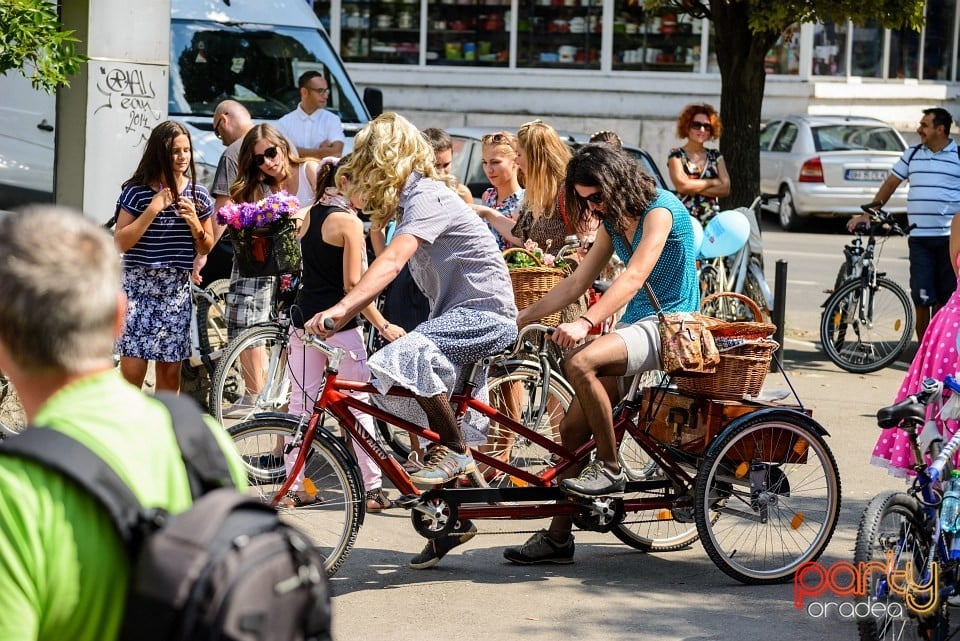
{"x": 660, "y": 40}
{"x": 830, "y": 49}
{"x": 559, "y": 34}
{"x": 383, "y": 31}
{"x": 904, "y": 51}
{"x": 470, "y": 33}
{"x": 867, "y": 51}
{"x": 938, "y": 39}
{"x": 784, "y": 57}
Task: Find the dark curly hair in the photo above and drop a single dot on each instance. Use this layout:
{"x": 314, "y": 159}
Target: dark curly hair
{"x": 688, "y": 113}
{"x": 627, "y": 190}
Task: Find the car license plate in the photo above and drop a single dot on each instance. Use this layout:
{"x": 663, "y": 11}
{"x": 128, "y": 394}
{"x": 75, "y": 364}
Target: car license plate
{"x": 866, "y": 175}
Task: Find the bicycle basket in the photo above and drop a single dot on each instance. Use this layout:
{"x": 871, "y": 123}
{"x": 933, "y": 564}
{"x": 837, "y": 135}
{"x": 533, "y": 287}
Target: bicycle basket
{"x": 737, "y": 329}
{"x": 531, "y": 283}
{"x": 744, "y": 364}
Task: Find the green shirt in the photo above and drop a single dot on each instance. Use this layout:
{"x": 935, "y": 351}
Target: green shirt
{"x": 63, "y": 571}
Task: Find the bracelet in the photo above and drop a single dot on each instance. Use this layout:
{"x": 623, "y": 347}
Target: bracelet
{"x": 384, "y": 328}
{"x": 588, "y": 320}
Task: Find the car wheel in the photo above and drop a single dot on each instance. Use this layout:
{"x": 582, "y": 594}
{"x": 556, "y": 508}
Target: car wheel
{"x": 789, "y": 220}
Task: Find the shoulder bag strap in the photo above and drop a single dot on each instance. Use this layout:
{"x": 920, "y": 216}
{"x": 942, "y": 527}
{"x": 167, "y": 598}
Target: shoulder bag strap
{"x": 73, "y": 460}
{"x": 205, "y": 461}
{"x": 562, "y": 206}
{"x": 654, "y": 301}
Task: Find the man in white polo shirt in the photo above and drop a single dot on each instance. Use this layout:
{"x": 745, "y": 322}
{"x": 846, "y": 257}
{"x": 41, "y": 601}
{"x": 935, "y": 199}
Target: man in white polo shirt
{"x": 310, "y": 127}
{"x": 933, "y": 169}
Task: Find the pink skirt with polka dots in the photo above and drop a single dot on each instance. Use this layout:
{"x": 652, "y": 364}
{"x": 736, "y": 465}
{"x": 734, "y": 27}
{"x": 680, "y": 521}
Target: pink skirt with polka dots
{"x": 936, "y": 358}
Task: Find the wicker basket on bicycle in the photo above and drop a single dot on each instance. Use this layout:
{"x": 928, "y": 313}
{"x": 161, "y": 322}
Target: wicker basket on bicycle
{"x": 745, "y": 352}
{"x": 531, "y": 283}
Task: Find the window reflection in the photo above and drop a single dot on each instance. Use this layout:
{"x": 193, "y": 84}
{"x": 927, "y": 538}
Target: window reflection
{"x": 904, "y": 50}
{"x": 867, "y": 48}
{"x": 830, "y": 49}
{"x": 937, "y": 39}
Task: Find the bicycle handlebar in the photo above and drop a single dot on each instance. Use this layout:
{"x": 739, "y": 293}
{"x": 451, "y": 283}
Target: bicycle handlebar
{"x": 880, "y": 220}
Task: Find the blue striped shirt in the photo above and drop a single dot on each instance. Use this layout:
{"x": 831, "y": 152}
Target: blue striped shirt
{"x": 167, "y": 242}
{"x": 674, "y": 276}
{"x": 934, "y": 194}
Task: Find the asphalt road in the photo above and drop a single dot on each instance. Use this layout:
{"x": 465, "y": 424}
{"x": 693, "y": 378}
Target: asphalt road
{"x": 613, "y": 592}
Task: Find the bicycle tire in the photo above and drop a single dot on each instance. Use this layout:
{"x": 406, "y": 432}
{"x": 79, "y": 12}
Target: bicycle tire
{"x": 866, "y": 347}
{"x": 753, "y": 290}
{"x": 709, "y": 279}
{"x": 775, "y": 482}
{"x": 515, "y": 389}
{"x": 660, "y": 530}
{"x": 893, "y": 523}
{"x": 229, "y": 397}
{"x": 211, "y": 323}
{"x": 13, "y": 418}
{"x": 333, "y": 521}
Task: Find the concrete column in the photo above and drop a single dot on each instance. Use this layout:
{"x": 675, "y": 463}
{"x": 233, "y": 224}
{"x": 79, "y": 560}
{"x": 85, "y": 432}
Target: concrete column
{"x": 105, "y": 117}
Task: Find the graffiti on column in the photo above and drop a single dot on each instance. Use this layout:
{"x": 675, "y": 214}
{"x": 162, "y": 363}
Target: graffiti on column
{"x": 128, "y": 91}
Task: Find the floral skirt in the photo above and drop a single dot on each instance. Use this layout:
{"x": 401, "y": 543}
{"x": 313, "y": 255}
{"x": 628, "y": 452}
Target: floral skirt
{"x": 436, "y": 358}
{"x": 157, "y": 325}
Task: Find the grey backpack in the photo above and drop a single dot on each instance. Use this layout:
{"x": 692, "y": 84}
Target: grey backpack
{"x": 226, "y": 569}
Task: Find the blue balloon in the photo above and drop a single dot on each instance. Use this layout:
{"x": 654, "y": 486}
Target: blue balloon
{"x": 697, "y": 234}
{"x": 726, "y": 232}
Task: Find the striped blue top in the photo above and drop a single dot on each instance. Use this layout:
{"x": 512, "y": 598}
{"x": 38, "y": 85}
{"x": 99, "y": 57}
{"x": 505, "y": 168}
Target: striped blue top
{"x": 167, "y": 241}
{"x": 674, "y": 276}
{"x": 934, "y": 194}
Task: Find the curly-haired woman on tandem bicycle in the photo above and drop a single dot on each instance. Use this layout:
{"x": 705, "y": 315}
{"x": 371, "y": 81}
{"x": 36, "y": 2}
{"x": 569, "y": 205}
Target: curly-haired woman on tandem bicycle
{"x": 651, "y": 232}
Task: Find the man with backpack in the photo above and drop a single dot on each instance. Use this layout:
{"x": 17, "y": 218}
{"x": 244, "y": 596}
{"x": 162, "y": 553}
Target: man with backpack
{"x": 933, "y": 169}
{"x": 66, "y": 566}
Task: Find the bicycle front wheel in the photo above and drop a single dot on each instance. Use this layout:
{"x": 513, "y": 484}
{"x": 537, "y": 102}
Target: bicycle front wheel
{"x": 864, "y": 329}
{"x": 251, "y": 375}
{"x": 329, "y": 488}
{"x": 776, "y": 486}
{"x": 892, "y": 535}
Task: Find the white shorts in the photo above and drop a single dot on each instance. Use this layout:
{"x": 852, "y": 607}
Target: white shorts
{"x": 642, "y": 340}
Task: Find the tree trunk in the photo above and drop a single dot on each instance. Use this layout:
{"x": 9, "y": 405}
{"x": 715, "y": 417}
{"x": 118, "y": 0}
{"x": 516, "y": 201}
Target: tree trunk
{"x": 740, "y": 55}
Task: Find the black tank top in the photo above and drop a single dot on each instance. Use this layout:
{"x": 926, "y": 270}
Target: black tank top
{"x": 322, "y": 270}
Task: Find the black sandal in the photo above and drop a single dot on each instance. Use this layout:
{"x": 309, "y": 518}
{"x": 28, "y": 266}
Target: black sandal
{"x": 377, "y": 501}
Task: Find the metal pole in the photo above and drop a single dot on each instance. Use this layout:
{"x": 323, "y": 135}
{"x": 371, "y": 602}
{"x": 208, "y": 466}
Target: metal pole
{"x": 779, "y": 307}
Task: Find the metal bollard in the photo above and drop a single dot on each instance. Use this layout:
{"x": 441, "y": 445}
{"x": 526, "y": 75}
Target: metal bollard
{"x": 779, "y": 312}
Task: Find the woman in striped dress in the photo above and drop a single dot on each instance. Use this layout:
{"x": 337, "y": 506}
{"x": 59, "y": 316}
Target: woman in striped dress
{"x": 163, "y": 222}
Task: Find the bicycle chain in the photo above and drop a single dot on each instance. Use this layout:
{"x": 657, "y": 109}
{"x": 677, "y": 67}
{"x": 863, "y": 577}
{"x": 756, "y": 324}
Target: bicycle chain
{"x": 499, "y": 532}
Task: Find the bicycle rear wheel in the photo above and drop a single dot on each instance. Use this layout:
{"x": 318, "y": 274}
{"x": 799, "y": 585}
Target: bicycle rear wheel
{"x": 892, "y": 534}
{"x": 864, "y": 329}
{"x": 776, "y": 485}
{"x": 251, "y": 375}
{"x": 331, "y": 489}
{"x": 211, "y": 323}
{"x": 516, "y": 390}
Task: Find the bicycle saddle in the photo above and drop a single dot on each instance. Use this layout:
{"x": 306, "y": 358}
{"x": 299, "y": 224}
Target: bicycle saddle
{"x": 907, "y": 410}
{"x": 600, "y": 286}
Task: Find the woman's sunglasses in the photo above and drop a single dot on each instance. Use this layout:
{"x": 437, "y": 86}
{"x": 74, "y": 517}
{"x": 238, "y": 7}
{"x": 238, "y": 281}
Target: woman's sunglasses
{"x": 269, "y": 152}
{"x": 704, "y": 126}
{"x": 596, "y": 198}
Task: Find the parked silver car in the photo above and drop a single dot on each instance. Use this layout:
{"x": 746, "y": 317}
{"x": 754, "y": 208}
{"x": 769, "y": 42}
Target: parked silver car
{"x": 827, "y": 166}
{"x": 468, "y": 155}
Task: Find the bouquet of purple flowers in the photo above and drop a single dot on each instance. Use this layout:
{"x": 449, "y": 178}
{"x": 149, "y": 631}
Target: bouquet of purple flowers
{"x": 258, "y": 214}
{"x": 263, "y": 235}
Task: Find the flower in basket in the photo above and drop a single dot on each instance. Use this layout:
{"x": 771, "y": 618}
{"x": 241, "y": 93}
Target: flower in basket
{"x": 263, "y": 235}
{"x": 259, "y": 214}
{"x": 536, "y": 257}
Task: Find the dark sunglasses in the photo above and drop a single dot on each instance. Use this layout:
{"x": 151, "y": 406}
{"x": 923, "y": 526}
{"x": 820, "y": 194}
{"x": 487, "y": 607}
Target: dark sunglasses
{"x": 496, "y": 139}
{"x": 269, "y": 152}
{"x": 705, "y": 126}
{"x": 596, "y": 198}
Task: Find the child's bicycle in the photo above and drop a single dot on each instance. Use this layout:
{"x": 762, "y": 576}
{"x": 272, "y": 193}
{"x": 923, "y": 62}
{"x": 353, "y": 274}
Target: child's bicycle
{"x": 913, "y": 570}
{"x": 756, "y": 483}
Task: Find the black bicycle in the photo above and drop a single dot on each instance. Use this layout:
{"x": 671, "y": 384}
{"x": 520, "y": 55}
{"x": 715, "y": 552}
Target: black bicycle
{"x": 867, "y": 321}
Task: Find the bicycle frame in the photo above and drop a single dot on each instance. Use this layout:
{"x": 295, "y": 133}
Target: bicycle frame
{"x": 333, "y": 397}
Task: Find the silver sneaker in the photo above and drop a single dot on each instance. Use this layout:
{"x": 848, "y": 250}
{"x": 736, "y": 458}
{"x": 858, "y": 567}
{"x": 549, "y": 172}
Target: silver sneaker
{"x": 595, "y": 480}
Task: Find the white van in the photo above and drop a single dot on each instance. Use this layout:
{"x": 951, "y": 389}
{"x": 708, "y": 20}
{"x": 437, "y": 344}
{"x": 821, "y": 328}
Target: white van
{"x": 247, "y": 50}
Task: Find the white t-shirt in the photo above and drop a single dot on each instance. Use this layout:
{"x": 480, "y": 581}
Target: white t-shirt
{"x": 310, "y": 130}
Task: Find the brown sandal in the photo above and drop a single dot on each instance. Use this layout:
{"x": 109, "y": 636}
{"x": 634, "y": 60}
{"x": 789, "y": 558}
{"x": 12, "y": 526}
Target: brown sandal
{"x": 297, "y": 499}
{"x": 377, "y": 501}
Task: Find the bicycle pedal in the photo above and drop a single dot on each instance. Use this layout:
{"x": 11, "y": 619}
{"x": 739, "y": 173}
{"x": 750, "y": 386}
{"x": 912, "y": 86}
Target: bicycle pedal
{"x": 406, "y": 501}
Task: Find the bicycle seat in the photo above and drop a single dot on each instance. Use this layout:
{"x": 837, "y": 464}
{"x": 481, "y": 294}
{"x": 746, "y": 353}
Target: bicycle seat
{"x": 601, "y": 286}
{"x": 906, "y": 410}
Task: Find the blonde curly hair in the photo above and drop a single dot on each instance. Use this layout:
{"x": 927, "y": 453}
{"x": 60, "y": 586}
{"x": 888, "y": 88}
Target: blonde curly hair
{"x": 385, "y": 153}
{"x": 546, "y": 160}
